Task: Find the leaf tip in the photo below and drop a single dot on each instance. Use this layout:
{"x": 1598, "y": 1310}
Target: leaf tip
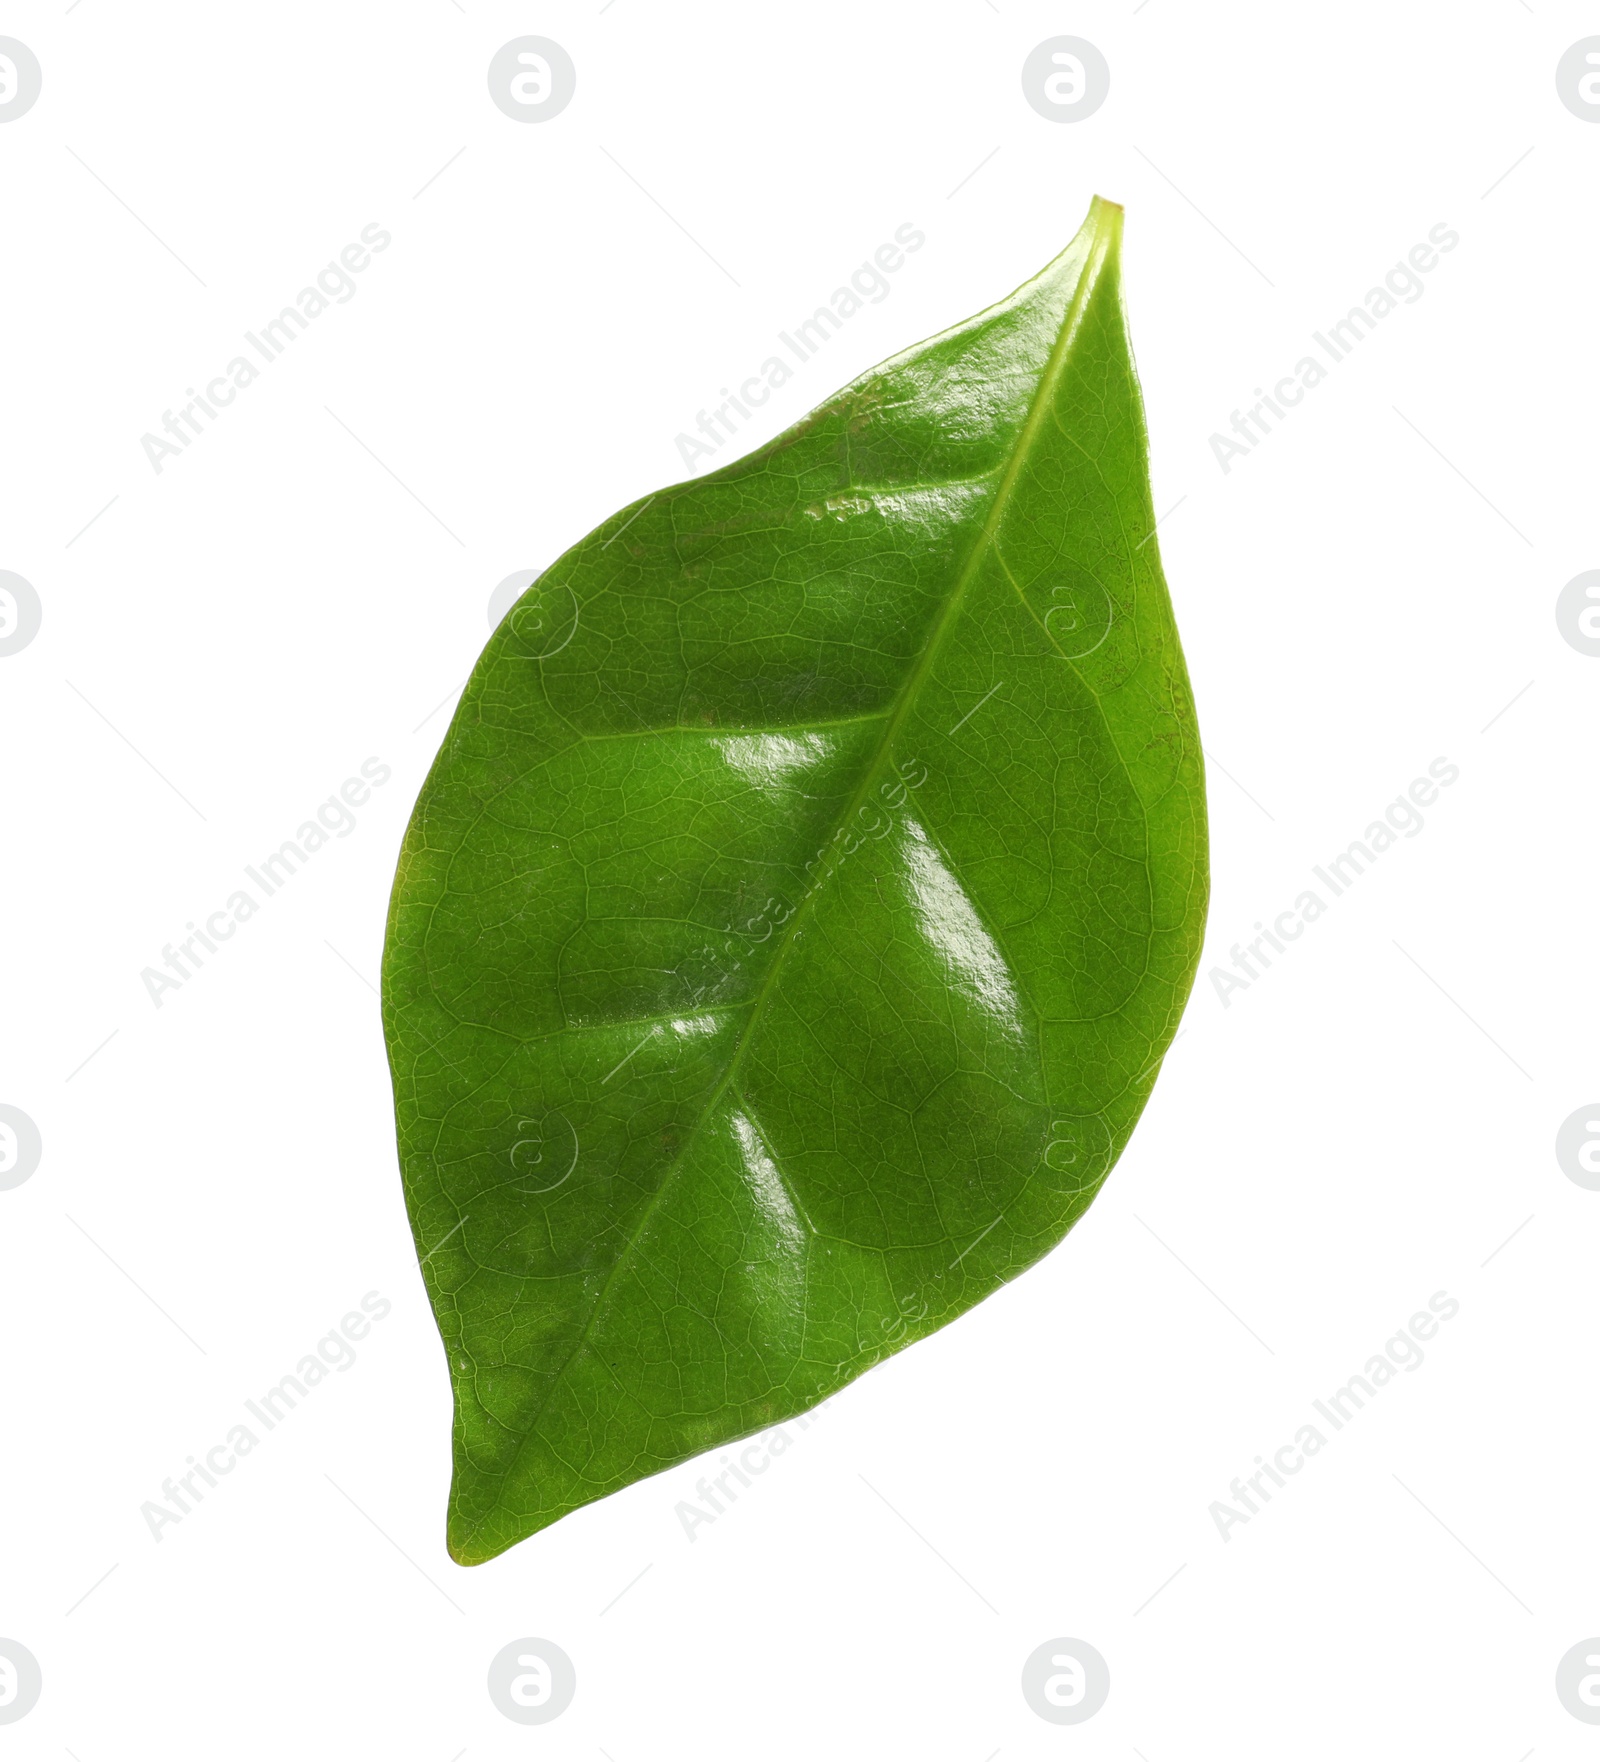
{"x": 464, "y": 1553}
{"x": 1105, "y": 220}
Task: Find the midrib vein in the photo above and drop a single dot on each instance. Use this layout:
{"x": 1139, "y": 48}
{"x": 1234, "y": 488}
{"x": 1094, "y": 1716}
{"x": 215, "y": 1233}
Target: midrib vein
{"x": 904, "y": 702}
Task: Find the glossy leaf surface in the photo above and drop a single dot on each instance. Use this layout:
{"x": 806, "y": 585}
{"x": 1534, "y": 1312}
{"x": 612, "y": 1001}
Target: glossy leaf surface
{"x": 797, "y": 912}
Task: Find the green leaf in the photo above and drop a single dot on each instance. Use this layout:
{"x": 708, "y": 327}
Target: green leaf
{"x": 791, "y": 926}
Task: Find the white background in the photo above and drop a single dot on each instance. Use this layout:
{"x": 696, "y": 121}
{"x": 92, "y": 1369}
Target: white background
{"x": 226, "y": 642}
